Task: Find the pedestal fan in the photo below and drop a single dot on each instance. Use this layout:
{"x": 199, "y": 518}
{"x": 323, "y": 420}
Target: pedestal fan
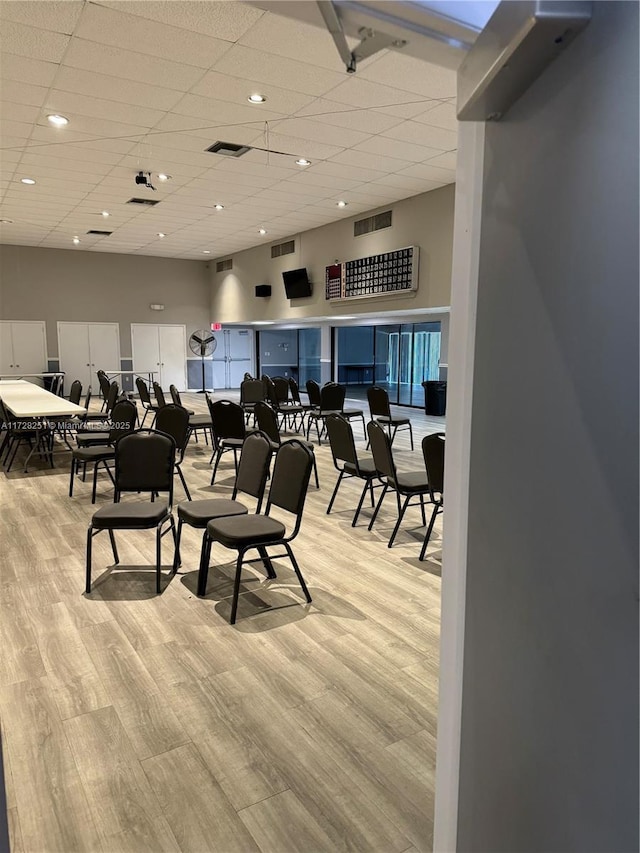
{"x": 204, "y": 344}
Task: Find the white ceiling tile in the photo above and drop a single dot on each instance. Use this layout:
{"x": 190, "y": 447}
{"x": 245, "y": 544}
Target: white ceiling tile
{"x": 222, "y": 112}
{"x": 302, "y": 147}
{"x": 406, "y": 110}
{"x": 412, "y": 75}
{"x": 277, "y": 70}
{"x": 114, "y": 27}
{"x": 385, "y": 147}
{"x": 244, "y": 134}
{"x": 61, "y": 17}
{"x": 312, "y": 176}
{"x": 430, "y": 173}
{"x": 338, "y": 168}
{"x": 444, "y": 161}
{"x": 26, "y": 70}
{"x": 16, "y": 129}
{"x": 18, "y": 112}
{"x": 358, "y": 92}
{"x": 362, "y": 159}
{"x": 423, "y": 134}
{"x": 318, "y": 131}
{"x": 344, "y": 115}
{"x": 441, "y": 115}
{"x": 412, "y": 185}
{"x": 130, "y": 65}
{"x": 146, "y": 98}
{"x": 237, "y": 90}
{"x": 34, "y": 43}
{"x": 224, "y": 20}
{"x": 23, "y": 93}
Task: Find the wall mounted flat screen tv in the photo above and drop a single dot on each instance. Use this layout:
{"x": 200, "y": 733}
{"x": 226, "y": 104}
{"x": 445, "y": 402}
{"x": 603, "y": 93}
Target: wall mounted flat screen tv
{"x": 296, "y": 283}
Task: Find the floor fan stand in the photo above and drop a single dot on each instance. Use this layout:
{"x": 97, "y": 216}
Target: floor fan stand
{"x": 203, "y": 390}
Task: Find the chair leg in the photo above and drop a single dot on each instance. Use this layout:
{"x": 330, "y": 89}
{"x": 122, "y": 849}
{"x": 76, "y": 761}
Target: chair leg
{"x": 411, "y": 435}
{"x": 158, "y": 558}
{"x": 424, "y": 518}
{"x": 177, "y": 561}
{"x": 87, "y": 585}
{"x": 296, "y": 569}
{"x": 266, "y": 559}
{"x": 183, "y": 481}
{"x": 95, "y": 482}
{"x": 176, "y": 552}
{"x": 360, "y": 502}
{"x": 400, "y": 517}
{"x": 205, "y": 556}
{"x": 236, "y": 588}
{"x": 218, "y": 454}
{"x": 114, "y": 547}
{"x": 335, "y": 491}
{"x": 315, "y": 471}
{"x": 73, "y": 468}
{"x": 378, "y": 505}
{"x": 427, "y": 535}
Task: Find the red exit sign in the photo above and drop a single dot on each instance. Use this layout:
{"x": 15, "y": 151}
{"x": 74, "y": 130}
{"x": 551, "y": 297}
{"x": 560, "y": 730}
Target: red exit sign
{"x": 216, "y": 327}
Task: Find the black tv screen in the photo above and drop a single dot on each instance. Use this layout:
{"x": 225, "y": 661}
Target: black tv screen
{"x": 296, "y": 283}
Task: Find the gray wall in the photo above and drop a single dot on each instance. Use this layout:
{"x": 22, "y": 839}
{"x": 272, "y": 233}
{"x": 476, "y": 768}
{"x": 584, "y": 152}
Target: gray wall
{"x": 549, "y": 751}
{"x": 424, "y": 220}
{"x": 61, "y": 284}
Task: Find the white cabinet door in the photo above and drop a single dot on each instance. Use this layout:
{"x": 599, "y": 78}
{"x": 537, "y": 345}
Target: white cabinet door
{"x": 23, "y": 347}
{"x": 173, "y": 357}
{"x": 6, "y": 348}
{"x": 73, "y": 352}
{"x": 104, "y": 350}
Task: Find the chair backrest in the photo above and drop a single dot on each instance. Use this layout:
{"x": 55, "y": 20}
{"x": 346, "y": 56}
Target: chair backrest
{"x": 104, "y": 383}
{"x": 87, "y": 399}
{"x": 175, "y": 395}
{"x": 75, "y": 392}
{"x": 174, "y": 421}
{"x": 145, "y": 460}
{"x": 343, "y": 446}
{"x": 281, "y": 386}
{"x": 378, "y": 400}
{"x": 433, "y": 452}
{"x": 313, "y": 390}
{"x": 290, "y": 479}
{"x": 270, "y": 391}
{"x": 251, "y": 391}
{"x": 247, "y": 376}
{"x": 123, "y": 420}
{"x": 143, "y": 391}
{"x": 332, "y": 397}
{"x": 381, "y": 450}
{"x": 267, "y": 421}
{"x": 159, "y": 395}
{"x": 227, "y": 419}
{"x": 57, "y": 385}
{"x": 112, "y": 396}
{"x": 253, "y": 468}
{"x": 294, "y": 391}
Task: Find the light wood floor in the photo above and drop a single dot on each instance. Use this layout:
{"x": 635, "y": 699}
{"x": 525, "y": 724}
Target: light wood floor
{"x": 136, "y": 722}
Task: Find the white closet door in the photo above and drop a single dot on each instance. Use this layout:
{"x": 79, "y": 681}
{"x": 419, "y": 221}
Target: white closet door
{"x": 173, "y": 357}
{"x": 104, "y": 349}
{"x": 73, "y": 351}
{"x": 6, "y": 348}
{"x": 145, "y": 348}
{"x": 29, "y": 347}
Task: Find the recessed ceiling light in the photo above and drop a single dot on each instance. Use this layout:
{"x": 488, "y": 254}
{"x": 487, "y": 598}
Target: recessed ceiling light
{"x": 57, "y": 120}
{"x": 206, "y": 252}
{"x": 262, "y": 231}
{"x": 27, "y": 181}
{"x": 163, "y": 177}
{"x": 303, "y": 162}
{"x": 161, "y": 235}
{"x": 263, "y": 323}
{"x": 342, "y": 203}
{"x": 76, "y": 240}
{"x": 256, "y": 98}
{"x": 106, "y": 213}
{"x": 219, "y": 206}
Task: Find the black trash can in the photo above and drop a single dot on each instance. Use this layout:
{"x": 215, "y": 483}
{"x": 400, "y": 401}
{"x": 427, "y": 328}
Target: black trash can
{"x": 435, "y": 397}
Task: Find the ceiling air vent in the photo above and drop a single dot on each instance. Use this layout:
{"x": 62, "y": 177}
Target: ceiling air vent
{"x": 372, "y": 223}
{"x": 223, "y": 266}
{"x": 287, "y": 248}
{"x": 228, "y": 149}
{"x": 100, "y": 233}
{"x": 145, "y": 202}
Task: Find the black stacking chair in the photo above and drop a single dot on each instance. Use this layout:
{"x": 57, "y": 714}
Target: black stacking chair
{"x": 75, "y": 423}
{"x": 268, "y": 423}
{"x": 347, "y": 462}
{"x": 31, "y": 431}
{"x": 251, "y": 392}
{"x": 331, "y": 401}
{"x": 284, "y": 404}
{"x": 247, "y": 376}
{"x": 313, "y": 393}
{"x": 105, "y": 385}
{"x": 243, "y": 533}
{"x": 253, "y": 471}
{"x": 158, "y": 393}
{"x": 175, "y": 396}
{"x": 295, "y": 396}
{"x": 196, "y": 422}
{"x": 433, "y": 453}
{"x": 145, "y": 399}
{"x": 354, "y": 415}
{"x": 229, "y": 431}
{"x": 407, "y": 485}
{"x": 144, "y": 463}
{"x": 174, "y": 421}
{"x": 380, "y": 410}
{"x": 109, "y": 402}
{"x": 124, "y": 420}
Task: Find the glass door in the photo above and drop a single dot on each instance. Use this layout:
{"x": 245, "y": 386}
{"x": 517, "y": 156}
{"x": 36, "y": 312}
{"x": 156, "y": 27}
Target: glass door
{"x": 387, "y": 365}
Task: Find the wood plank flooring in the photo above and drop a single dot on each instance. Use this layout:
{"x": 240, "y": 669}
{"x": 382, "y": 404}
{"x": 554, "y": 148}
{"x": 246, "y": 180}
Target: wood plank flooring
{"x": 136, "y": 722}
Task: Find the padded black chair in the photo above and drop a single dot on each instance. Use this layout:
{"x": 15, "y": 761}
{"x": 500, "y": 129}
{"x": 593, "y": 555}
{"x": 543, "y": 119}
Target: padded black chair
{"x": 243, "y": 533}
{"x": 175, "y": 396}
{"x": 174, "y": 421}
{"x": 347, "y": 462}
{"x": 380, "y": 411}
{"x": 196, "y": 422}
{"x": 144, "y": 463}
{"x": 253, "y": 471}
{"x": 313, "y": 393}
{"x": 268, "y": 422}
{"x": 408, "y": 484}
{"x": 287, "y": 407}
{"x": 252, "y": 391}
{"x": 124, "y": 420}
{"x": 331, "y": 401}
{"x": 103, "y": 382}
{"x": 229, "y": 431}
{"x": 247, "y": 376}
{"x": 158, "y": 393}
{"x": 145, "y": 399}
{"x": 108, "y": 403}
{"x": 433, "y": 453}
{"x": 63, "y": 426}
{"x": 77, "y": 421}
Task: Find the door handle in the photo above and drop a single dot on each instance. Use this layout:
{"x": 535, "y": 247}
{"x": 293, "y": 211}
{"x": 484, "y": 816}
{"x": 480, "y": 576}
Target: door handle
{"x": 88, "y": 365}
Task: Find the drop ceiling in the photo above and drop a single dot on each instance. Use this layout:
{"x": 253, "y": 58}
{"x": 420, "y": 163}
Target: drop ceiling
{"x": 150, "y": 85}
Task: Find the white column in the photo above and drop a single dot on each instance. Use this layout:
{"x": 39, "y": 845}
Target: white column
{"x": 326, "y": 374}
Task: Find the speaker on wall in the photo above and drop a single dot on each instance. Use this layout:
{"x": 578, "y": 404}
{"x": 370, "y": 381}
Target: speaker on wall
{"x": 263, "y": 290}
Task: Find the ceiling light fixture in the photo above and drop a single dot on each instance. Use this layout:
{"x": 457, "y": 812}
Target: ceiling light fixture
{"x": 57, "y": 120}
{"x": 161, "y": 234}
{"x": 27, "y": 181}
{"x": 105, "y": 213}
{"x": 342, "y": 203}
{"x": 76, "y": 240}
{"x": 206, "y": 252}
{"x": 219, "y": 206}
{"x": 256, "y": 98}
{"x": 303, "y": 162}
{"x": 163, "y": 177}
{"x": 262, "y": 231}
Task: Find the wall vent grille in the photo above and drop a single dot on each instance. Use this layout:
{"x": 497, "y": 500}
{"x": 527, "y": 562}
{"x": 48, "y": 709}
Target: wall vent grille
{"x": 280, "y": 249}
{"x": 228, "y": 149}
{"x": 100, "y": 233}
{"x": 372, "y": 223}
{"x": 223, "y": 266}
{"x": 145, "y": 202}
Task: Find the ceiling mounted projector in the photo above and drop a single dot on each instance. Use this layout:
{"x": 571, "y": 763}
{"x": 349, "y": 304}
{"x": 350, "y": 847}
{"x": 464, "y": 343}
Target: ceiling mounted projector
{"x": 144, "y": 178}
